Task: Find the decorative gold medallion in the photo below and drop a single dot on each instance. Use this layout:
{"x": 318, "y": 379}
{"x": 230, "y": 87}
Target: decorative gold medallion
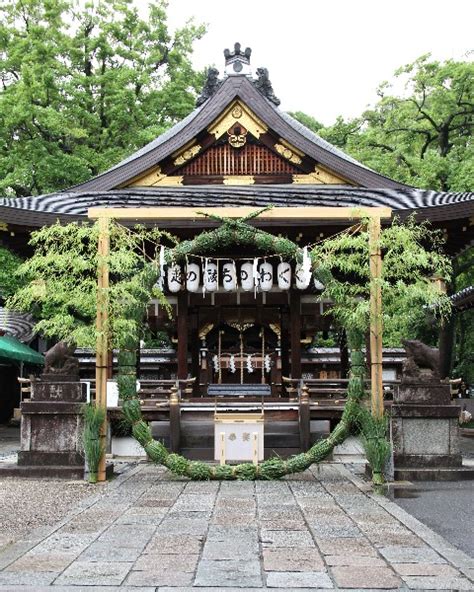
{"x": 237, "y": 112}
{"x": 237, "y": 135}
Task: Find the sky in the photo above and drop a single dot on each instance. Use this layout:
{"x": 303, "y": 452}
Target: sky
{"x": 327, "y": 58}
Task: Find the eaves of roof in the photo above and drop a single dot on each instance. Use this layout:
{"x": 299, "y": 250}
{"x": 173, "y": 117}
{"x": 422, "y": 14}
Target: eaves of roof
{"x": 42, "y": 210}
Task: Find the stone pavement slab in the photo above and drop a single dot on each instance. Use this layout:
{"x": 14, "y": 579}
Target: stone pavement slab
{"x": 365, "y": 577}
{"x": 150, "y": 531}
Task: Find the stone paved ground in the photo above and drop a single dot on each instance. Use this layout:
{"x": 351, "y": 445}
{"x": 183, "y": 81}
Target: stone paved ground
{"x": 152, "y": 532}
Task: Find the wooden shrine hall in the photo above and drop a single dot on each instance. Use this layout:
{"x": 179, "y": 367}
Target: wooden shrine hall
{"x": 244, "y": 322}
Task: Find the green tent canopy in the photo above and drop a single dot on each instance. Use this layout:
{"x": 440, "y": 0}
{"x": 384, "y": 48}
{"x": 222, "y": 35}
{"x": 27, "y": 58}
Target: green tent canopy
{"x": 12, "y": 349}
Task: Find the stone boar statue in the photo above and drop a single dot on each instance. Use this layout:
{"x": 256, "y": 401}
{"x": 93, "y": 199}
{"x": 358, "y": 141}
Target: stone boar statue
{"x": 60, "y": 359}
{"x": 419, "y": 356}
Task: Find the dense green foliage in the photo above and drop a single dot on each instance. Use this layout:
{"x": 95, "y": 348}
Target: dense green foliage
{"x": 9, "y": 281}
{"x": 84, "y": 85}
{"x": 423, "y": 136}
{"x": 63, "y": 294}
{"x": 412, "y": 254}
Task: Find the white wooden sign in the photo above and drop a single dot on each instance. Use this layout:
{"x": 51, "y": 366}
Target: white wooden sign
{"x": 238, "y": 437}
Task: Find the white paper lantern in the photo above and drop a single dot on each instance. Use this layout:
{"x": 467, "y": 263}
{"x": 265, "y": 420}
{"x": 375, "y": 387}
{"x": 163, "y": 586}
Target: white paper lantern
{"x": 210, "y": 276}
{"x": 192, "y": 277}
{"x": 246, "y": 276}
{"x": 265, "y": 276}
{"x": 229, "y": 276}
{"x": 284, "y": 275}
{"x": 175, "y": 278}
{"x": 302, "y": 277}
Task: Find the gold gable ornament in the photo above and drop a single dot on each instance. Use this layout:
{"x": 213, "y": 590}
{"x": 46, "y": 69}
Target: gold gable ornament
{"x": 237, "y": 135}
{"x": 187, "y": 155}
{"x": 289, "y": 152}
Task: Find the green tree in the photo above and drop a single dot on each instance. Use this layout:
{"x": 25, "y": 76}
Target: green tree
{"x": 307, "y": 120}
{"x": 83, "y": 85}
{"x": 9, "y": 281}
{"x": 422, "y": 137}
{"x": 59, "y": 282}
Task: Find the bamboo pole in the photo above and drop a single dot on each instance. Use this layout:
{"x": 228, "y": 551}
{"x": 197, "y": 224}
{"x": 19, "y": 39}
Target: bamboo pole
{"x": 376, "y": 327}
{"x": 102, "y": 334}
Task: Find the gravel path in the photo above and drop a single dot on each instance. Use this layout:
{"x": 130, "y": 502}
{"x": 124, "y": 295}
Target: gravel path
{"x": 26, "y": 504}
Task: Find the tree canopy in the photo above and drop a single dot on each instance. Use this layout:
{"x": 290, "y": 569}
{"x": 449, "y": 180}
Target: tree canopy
{"x": 10, "y": 282}
{"x": 84, "y": 85}
{"x": 423, "y": 136}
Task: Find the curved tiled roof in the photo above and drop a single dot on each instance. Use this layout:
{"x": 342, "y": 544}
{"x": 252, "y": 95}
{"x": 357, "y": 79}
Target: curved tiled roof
{"x": 464, "y": 299}
{"x": 17, "y": 324}
{"x": 281, "y": 123}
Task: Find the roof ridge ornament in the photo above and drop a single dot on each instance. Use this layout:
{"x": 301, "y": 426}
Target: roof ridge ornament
{"x": 210, "y": 87}
{"x": 237, "y": 61}
{"x": 263, "y": 84}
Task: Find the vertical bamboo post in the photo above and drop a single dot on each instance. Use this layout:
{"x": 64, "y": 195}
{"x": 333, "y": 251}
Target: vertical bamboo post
{"x": 102, "y": 334}
{"x": 375, "y": 318}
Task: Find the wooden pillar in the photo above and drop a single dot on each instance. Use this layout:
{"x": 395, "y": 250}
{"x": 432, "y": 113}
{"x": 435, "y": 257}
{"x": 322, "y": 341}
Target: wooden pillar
{"x": 295, "y": 334}
{"x": 182, "y": 335}
{"x": 102, "y": 340}
{"x": 376, "y": 328}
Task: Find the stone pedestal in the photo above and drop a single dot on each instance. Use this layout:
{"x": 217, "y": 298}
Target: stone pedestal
{"x": 425, "y": 433}
{"x": 51, "y": 429}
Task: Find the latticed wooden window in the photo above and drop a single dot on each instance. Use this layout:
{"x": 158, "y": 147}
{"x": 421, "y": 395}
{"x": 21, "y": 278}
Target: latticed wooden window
{"x": 251, "y": 159}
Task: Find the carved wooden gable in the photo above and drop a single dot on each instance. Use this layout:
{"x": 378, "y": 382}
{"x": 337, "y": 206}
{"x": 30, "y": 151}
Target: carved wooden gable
{"x": 237, "y": 148}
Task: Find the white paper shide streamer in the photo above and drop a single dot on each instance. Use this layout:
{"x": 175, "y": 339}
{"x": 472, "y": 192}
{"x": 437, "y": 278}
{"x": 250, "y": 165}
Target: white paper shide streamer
{"x": 303, "y": 271}
{"x": 267, "y": 363}
{"x": 161, "y": 262}
{"x": 249, "y": 364}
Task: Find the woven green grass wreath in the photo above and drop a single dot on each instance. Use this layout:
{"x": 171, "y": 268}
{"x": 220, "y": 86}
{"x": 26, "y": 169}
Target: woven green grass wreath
{"x": 275, "y": 467}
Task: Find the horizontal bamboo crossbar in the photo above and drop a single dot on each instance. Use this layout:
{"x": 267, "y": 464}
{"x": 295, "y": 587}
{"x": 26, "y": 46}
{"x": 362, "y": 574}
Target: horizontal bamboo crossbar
{"x": 278, "y": 213}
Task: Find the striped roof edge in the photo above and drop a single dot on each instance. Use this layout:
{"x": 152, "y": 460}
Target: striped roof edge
{"x": 44, "y": 209}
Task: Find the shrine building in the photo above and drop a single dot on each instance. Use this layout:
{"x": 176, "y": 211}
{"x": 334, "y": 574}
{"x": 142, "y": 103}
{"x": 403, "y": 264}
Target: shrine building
{"x": 238, "y": 148}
